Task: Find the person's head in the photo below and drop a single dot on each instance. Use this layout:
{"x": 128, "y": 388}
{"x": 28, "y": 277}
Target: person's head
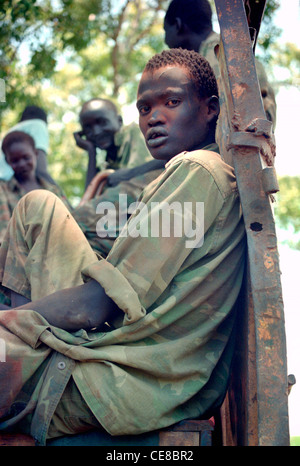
{"x": 187, "y": 23}
{"x": 100, "y": 122}
{"x": 20, "y": 153}
{"x": 33, "y": 112}
{"x": 178, "y": 103}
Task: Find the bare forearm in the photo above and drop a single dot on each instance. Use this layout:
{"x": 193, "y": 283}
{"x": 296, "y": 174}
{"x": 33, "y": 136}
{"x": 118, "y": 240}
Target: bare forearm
{"x": 89, "y": 147}
{"x": 85, "y": 306}
{"x": 92, "y": 166}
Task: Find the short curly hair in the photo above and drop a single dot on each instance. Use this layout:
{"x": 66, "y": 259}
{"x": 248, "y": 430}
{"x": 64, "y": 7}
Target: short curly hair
{"x": 197, "y": 66}
{"x": 14, "y": 137}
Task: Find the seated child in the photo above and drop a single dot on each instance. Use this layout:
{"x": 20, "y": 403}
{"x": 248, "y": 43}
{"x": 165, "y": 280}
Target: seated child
{"x": 21, "y": 155}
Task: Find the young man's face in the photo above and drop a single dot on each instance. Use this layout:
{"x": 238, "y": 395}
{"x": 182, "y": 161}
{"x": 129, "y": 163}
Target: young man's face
{"x": 100, "y": 123}
{"x": 171, "y": 116}
{"x": 22, "y": 157}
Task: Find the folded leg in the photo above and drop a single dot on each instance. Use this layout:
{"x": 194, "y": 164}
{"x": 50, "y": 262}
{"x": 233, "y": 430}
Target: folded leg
{"x": 44, "y": 249}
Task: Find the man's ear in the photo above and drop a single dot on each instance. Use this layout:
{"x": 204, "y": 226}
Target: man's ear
{"x": 179, "y": 25}
{"x": 213, "y": 105}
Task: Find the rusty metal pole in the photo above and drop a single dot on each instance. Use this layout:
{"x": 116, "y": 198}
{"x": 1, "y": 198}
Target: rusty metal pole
{"x": 250, "y": 148}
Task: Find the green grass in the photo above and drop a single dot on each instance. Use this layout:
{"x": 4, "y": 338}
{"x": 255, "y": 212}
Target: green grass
{"x": 295, "y": 441}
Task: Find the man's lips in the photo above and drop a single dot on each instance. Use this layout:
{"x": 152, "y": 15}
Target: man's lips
{"x": 23, "y": 173}
{"x": 156, "y": 136}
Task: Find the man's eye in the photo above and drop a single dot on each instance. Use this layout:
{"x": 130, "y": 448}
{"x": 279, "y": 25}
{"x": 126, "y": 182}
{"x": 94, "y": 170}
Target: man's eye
{"x": 172, "y": 102}
{"x": 101, "y": 122}
{"x": 144, "y": 110}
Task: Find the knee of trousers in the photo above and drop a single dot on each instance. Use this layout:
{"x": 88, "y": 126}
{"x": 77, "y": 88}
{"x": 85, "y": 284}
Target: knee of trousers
{"x": 38, "y": 197}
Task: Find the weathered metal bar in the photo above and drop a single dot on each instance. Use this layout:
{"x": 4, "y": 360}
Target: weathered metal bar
{"x": 251, "y": 149}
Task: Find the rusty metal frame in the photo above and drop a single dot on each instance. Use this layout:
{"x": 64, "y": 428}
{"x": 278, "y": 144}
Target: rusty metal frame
{"x": 256, "y": 405}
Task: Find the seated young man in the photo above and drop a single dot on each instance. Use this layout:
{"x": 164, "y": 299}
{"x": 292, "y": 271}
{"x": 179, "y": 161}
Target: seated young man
{"x": 102, "y": 128}
{"x": 142, "y": 339}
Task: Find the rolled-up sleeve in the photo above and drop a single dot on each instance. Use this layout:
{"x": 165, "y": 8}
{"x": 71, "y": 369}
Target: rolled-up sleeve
{"x": 117, "y": 287}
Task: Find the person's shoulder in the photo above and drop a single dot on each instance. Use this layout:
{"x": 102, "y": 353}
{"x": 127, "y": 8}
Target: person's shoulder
{"x": 208, "y": 159}
{"x": 131, "y": 126}
{"x": 212, "y": 38}
{"x": 129, "y": 131}
{"x": 11, "y": 182}
{"x": 204, "y": 156}
{"x": 27, "y": 125}
{"x": 7, "y": 186}
{"x": 207, "y": 162}
{"x": 122, "y": 135}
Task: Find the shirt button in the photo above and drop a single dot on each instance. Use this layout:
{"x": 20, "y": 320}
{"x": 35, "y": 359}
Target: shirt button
{"x": 61, "y": 365}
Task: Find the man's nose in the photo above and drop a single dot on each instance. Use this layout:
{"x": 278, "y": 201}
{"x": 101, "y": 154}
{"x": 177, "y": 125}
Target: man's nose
{"x": 20, "y": 163}
{"x": 96, "y": 129}
{"x": 156, "y": 117}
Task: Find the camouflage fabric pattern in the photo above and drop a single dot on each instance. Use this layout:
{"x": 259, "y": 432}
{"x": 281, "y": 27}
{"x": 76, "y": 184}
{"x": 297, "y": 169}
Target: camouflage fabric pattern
{"x": 35, "y": 263}
{"x": 87, "y": 217}
{"x": 169, "y": 357}
{"x": 11, "y": 192}
{"x": 132, "y": 148}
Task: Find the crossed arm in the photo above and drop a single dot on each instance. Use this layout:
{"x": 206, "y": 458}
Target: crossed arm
{"x": 82, "y": 307}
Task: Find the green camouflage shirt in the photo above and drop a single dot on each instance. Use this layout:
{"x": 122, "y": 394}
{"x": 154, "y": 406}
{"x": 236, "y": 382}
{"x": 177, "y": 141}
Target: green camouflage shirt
{"x": 88, "y": 217}
{"x": 132, "y": 149}
{"x": 169, "y": 358}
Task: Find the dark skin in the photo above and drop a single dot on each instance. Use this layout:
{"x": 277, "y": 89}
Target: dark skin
{"x": 181, "y": 35}
{"x": 85, "y": 306}
{"x": 22, "y": 157}
{"x": 172, "y": 119}
{"x": 100, "y": 122}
